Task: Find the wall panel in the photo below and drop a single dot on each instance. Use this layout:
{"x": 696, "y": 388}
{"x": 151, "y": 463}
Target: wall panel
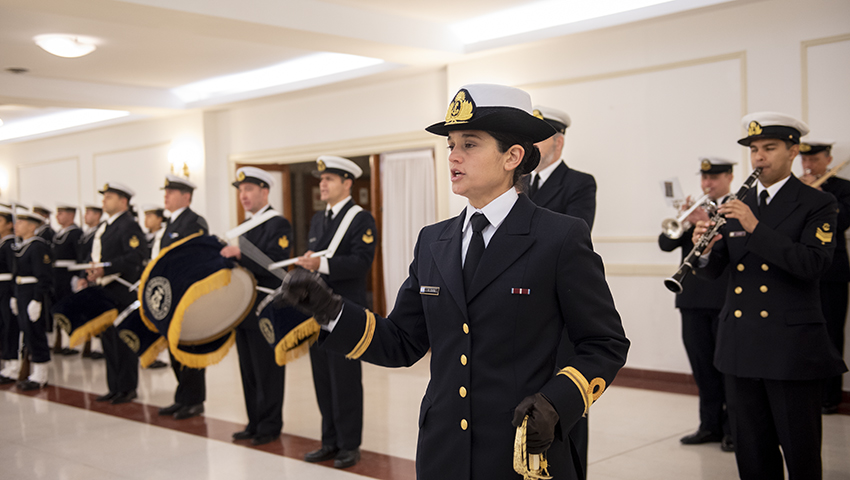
{"x": 50, "y": 182}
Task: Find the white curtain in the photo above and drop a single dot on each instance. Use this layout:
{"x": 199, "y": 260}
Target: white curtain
{"x": 409, "y": 203}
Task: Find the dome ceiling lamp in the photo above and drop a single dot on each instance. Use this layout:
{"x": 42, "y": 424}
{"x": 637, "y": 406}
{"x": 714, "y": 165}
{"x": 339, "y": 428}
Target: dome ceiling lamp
{"x": 67, "y": 46}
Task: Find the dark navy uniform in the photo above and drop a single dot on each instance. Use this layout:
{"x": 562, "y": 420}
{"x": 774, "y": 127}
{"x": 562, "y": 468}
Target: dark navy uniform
{"x": 65, "y": 248}
{"x": 772, "y": 340}
{"x": 191, "y": 382}
{"x": 122, "y": 245}
{"x": 569, "y": 192}
{"x": 834, "y": 284}
{"x": 46, "y": 232}
{"x": 339, "y": 389}
{"x": 497, "y": 343}
{"x": 9, "y": 329}
{"x": 84, "y": 244}
{"x": 262, "y": 378}
{"x": 34, "y": 282}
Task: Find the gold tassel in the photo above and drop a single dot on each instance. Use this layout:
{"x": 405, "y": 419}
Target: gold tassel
{"x": 93, "y": 327}
{"x": 522, "y": 458}
{"x": 149, "y": 356}
{"x": 204, "y": 360}
{"x": 297, "y": 342}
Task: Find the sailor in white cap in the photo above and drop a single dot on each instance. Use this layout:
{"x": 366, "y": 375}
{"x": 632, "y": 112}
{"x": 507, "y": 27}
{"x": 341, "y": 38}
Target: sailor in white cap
{"x": 153, "y": 220}
{"x": 119, "y": 244}
{"x": 772, "y": 342}
{"x": 816, "y": 155}
{"x": 489, "y": 293}
{"x": 64, "y": 247}
{"x": 9, "y": 329}
{"x": 351, "y": 230}
{"x": 262, "y": 379}
{"x": 33, "y": 289}
{"x": 182, "y": 222}
{"x": 91, "y": 220}
{"x": 44, "y": 230}
{"x": 553, "y": 184}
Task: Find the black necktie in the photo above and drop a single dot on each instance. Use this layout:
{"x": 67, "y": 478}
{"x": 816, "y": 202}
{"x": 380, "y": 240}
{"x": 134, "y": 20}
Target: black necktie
{"x": 763, "y": 196}
{"x": 328, "y": 216}
{"x": 475, "y": 250}
{"x": 535, "y": 185}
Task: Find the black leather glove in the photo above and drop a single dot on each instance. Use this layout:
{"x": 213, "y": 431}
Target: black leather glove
{"x": 542, "y": 420}
{"x": 307, "y": 292}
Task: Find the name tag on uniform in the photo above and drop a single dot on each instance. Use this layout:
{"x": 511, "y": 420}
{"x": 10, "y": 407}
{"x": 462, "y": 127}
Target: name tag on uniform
{"x": 429, "y": 290}
{"x": 174, "y": 234}
{"x": 520, "y": 291}
{"x": 740, "y": 233}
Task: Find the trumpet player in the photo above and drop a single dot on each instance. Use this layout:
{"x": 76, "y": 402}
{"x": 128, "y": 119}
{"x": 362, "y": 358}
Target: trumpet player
{"x": 816, "y": 156}
{"x": 772, "y": 343}
{"x": 699, "y": 305}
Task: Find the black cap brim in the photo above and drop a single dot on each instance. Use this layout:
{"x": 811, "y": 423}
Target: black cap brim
{"x": 255, "y": 181}
{"x": 500, "y": 119}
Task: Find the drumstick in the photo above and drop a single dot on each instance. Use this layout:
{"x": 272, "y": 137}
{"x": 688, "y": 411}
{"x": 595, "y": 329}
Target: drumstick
{"x": 292, "y": 261}
{"x": 86, "y": 266}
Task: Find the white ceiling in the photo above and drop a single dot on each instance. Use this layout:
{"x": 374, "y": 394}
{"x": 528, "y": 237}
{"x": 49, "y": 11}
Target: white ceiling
{"x": 148, "y": 47}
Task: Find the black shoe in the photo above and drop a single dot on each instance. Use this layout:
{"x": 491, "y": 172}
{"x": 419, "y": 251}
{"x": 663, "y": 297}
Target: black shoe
{"x": 189, "y": 411}
{"x": 96, "y": 355}
{"x": 171, "y": 409}
{"x": 727, "y": 444}
{"x": 6, "y": 380}
{"x": 30, "y": 385}
{"x": 347, "y": 458}
{"x": 264, "y": 439}
{"x": 108, "y": 397}
{"x": 325, "y": 453}
{"x": 157, "y": 364}
{"x": 829, "y": 409}
{"x": 69, "y": 351}
{"x": 701, "y": 436}
{"x": 244, "y": 435}
{"x": 125, "y": 397}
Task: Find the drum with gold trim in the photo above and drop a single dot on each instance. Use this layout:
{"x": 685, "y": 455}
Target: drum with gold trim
{"x": 289, "y": 331}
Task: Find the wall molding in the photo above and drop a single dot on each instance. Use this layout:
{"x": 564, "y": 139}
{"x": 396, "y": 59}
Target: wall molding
{"x": 804, "y": 66}
{"x": 639, "y": 270}
{"x": 20, "y": 166}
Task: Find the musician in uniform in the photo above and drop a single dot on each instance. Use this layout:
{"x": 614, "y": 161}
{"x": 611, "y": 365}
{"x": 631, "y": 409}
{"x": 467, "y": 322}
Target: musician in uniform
{"x": 350, "y": 231}
{"x": 553, "y": 184}
{"x": 45, "y": 230}
{"x": 816, "y": 156}
{"x": 772, "y": 342}
{"x": 91, "y": 219}
{"x": 118, "y": 242}
{"x": 699, "y": 305}
{"x": 64, "y": 247}
{"x": 9, "y": 329}
{"x": 489, "y": 293}
{"x": 262, "y": 378}
{"x": 153, "y": 220}
{"x": 33, "y": 292}
{"x": 191, "y": 382}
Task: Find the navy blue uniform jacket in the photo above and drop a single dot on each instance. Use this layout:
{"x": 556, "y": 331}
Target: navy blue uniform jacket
{"x": 839, "y": 271}
{"x": 569, "y": 192}
{"x": 188, "y": 223}
{"x": 498, "y": 344}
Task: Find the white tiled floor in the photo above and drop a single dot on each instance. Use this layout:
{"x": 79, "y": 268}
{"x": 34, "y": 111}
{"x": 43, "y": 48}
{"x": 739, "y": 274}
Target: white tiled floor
{"x": 634, "y": 433}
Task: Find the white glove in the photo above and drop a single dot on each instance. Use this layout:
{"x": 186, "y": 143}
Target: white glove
{"x": 34, "y": 310}
{"x": 13, "y": 304}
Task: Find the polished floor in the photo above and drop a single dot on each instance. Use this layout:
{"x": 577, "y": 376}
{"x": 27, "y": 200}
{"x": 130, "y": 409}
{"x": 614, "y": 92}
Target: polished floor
{"x": 61, "y": 433}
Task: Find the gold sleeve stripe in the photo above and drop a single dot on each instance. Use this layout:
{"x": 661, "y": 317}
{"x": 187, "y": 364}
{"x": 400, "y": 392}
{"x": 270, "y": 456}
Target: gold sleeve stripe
{"x": 590, "y": 392}
{"x": 366, "y": 339}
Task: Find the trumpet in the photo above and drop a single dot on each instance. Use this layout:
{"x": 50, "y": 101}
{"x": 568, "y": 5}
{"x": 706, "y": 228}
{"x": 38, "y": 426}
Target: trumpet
{"x": 674, "y": 283}
{"x": 673, "y": 228}
{"x": 826, "y": 176}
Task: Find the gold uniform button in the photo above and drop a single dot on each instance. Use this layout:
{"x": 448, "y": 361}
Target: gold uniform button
{"x": 466, "y": 328}
{"x": 463, "y": 359}
{"x": 738, "y": 290}
{"x": 462, "y": 392}
{"x": 464, "y": 424}
{"x": 740, "y": 267}
{"x": 764, "y": 267}
{"x": 738, "y": 313}
{"x": 764, "y": 314}
{"x": 763, "y": 288}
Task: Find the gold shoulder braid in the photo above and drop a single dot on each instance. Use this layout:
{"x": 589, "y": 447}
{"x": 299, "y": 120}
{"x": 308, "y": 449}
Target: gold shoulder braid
{"x": 531, "y": 467}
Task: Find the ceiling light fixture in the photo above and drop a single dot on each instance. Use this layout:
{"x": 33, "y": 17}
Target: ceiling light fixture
{"x": 68, "y": 46}
{"x": 57, "y": 121}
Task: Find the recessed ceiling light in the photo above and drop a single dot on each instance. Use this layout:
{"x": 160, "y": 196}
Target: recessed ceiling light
{"x": 68, "y": 46}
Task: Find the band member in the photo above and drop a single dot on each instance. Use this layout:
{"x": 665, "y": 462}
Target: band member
{"x": 119, "y": 244}
{"x": 9, "y": 329}
{"x": 33, "y": 291}
{"x": 153, "y": 220}
{"x": 65, "y": 254}
{"x": 339, "y": 389}
{"x": 772, "y": 342}
{"x": 553, "y": 184}
{"x": 191, "y": 382}
{"x": 44, "y": 231}
{"x": 262, "y": 379}
{"x": 699, "y": 304}
{"x": 816, "y": 156}
{"x": 91, "y": 220}
{"x": 489, "y": 293}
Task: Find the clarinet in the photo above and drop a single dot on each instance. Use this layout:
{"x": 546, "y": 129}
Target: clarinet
{"x": 674, "y": 283}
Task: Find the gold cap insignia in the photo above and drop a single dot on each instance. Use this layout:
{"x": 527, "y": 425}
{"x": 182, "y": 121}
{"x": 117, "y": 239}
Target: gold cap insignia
{"x": 805, "y": 147}
{"x": 321, "y": 165}
{"x": 283, "y": 242}
{"x": 267, "y": 329}
{"x": 754, "y": 129}
{"x": 134, "y": 242}
{"x": 46, "y": 259}
{"x": 105, "y": 187}
{"x": 537, "y": 114}
{"x": 240, "y": 177}
{"x": 167, "y": 183}
{"x": 62, "y": 321}
{"x": 824, "y": 236}
{"x": 825, "y": 227}
{"x": 705, "y": 165}
{"x": 461, "y": 109}
{"x": 131, "y": 339}
{"x": 367, "y": 237}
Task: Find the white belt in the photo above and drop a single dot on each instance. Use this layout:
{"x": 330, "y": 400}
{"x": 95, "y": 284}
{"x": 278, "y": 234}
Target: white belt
{"x": 64, "y": 263}
{"x": 5, "y": 277}
{"x": 25, "y": 280}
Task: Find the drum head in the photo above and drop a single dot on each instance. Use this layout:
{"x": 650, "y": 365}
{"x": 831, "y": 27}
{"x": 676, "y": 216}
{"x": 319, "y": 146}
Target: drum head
{"x": 215, "y": 314}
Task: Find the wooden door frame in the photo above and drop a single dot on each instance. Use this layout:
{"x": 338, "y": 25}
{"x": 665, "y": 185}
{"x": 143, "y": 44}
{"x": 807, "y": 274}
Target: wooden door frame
{"x": 379, "y": 299}
{"x": 286, "y": 187}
